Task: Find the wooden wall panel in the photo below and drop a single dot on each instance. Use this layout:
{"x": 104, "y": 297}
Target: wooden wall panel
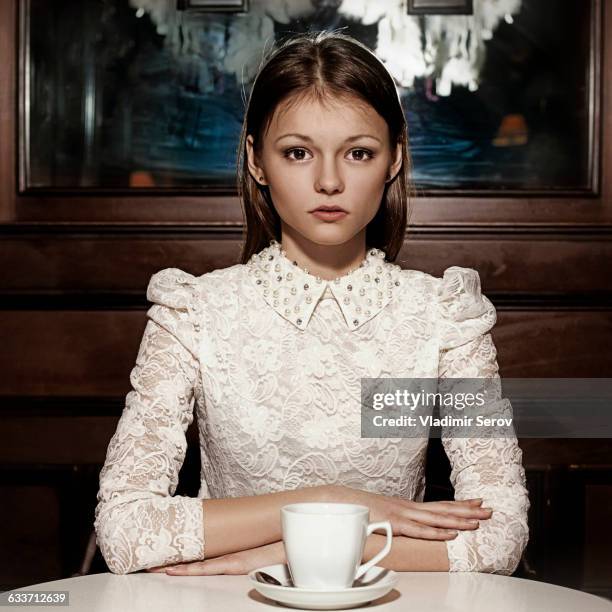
{"x": 68, "y": 352}
{"x": 8, "y": 110}
{"x": 92, "y": 259}
{"x": 90, "y": 353}
{"x": 81, "y": 440}
{"x": 65, "y": 440}
{"x": 597, "y": 567}
{"x": 30, "y": 519}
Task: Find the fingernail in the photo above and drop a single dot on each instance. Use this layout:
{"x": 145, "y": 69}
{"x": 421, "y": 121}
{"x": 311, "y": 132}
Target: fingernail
{"x": 473, "y": 521}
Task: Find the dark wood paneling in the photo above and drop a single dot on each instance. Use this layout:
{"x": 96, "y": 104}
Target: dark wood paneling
{"x": 103, "y": 259}
{"x": 560, "y": 344}
{"x": 68, "y": 352}
{"x": 8, "y": 114}
{"x": 493, "y": 211}
{"x": 597, "y": 567}
{"x": 42, "y": 439}
{"x": 573, "y": 453}
{"x": 36, "y": 439}
{"x": 30, "y": 519}
{"x": 92, "y": 352}
{"x": 47, "y": 518}
{"x": 116, "y": 262}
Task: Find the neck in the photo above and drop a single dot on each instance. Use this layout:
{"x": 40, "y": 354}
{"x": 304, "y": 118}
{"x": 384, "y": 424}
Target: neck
{"x": 327, "y": 261}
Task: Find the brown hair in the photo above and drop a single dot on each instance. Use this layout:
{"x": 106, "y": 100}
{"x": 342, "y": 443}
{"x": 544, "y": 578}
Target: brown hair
{"x": 323, "y": 64}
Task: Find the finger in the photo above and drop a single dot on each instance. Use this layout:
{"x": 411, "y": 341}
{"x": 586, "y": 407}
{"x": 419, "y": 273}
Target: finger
{"x": 473, "y": 513}
{"x": 210, "y": 567}
{"x": 452, "y": 522}
{"x": 461, "y": 510}
{"x": 461, "y": 503}
{"x": 157, "y": 570}
{"x": 447, "y": 521}
{"x": 197, "y": 568}
{"x": 466, "y": 511}
{"x": 428, "y": 533}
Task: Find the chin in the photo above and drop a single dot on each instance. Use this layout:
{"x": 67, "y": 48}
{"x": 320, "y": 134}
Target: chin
{"x": 337, "y": 239}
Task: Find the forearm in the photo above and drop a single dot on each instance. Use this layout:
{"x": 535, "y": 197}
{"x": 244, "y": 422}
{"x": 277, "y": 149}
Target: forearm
{"x": 241, "y": 523}
{"x": 409, "y": 554}
{"x": 406, "y": 555}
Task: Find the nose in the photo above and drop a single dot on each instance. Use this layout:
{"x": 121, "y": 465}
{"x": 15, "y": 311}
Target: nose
{"x": 328, "y": 178}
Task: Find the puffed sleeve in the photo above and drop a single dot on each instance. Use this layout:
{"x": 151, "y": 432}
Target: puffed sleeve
{"x": 487, "y": 467}
{"x": 139, "y": 523}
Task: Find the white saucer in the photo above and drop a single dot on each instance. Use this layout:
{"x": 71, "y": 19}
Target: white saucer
{"x": 375, "y": 583}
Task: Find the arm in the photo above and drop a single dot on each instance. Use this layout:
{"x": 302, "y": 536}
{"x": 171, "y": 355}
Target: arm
{"x": 409, "y": 554}
{"x": 139, "y": 522}
{"x": 486, "y": 467}
{"x": 490, "y": 468}
{"x": 242, "y": 523}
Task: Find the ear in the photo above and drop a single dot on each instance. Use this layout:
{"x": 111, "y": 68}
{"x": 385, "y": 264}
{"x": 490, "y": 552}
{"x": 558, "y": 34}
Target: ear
{"x": 256, "y": 171}
{"x": 396, "y": 164}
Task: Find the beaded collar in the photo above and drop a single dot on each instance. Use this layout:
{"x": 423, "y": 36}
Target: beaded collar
{"x": 294, "y": 293}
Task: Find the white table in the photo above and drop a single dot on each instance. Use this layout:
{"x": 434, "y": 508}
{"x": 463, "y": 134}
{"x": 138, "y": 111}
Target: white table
{"x": 415, "y": 592}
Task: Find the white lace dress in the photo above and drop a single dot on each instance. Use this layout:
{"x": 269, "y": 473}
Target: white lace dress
{"x": 271, "y": 357}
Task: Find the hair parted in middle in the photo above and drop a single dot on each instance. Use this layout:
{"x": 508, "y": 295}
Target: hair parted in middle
{"x": 323, "y": 66}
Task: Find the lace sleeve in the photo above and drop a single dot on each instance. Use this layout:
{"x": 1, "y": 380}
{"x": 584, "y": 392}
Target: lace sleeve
{"x": 490, "y": 468}
{"x": 139, "y": 523}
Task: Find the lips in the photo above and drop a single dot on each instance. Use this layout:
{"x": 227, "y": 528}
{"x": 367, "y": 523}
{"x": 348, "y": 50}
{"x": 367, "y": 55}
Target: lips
{"x": 329, "y": 209}
{"x": 329, "y": 215}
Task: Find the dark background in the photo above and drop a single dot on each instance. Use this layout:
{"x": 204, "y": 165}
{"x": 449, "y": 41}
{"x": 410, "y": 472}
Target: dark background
{"x": 74, "y": 273}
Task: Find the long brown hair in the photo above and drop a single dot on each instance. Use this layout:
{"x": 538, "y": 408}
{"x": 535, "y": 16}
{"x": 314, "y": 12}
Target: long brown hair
{"x": 323, "y": 64}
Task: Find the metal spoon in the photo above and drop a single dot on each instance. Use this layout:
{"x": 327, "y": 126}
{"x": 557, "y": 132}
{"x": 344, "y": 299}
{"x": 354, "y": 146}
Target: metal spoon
{"x": 265, "y": 577}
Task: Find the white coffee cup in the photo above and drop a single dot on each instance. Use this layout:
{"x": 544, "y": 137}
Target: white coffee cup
{"x": 324, "y": 543}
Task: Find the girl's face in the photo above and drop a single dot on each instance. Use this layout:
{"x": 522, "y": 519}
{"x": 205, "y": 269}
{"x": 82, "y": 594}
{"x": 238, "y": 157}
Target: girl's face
{"x": 336, "y": 154}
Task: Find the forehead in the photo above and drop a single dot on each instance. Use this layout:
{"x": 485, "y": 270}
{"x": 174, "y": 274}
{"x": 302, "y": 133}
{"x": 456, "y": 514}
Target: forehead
{"x": 332, "y": 116}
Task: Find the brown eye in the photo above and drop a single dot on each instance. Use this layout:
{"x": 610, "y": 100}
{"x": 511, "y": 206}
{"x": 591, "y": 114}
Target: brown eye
{"x": 366, "y": 151}
{"x": 288, "y": 152}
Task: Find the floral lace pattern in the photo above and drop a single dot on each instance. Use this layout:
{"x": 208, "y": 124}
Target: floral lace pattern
{"x": 490, "y": 468}
{"x": 278, "y": 402}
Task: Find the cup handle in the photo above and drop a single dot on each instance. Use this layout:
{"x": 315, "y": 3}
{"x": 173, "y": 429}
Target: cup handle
{"x": 386, "y": 525}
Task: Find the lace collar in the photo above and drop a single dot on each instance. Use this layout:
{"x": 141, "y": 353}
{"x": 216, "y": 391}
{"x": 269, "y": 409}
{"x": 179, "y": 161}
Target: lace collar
{"x": 294, "y": 293}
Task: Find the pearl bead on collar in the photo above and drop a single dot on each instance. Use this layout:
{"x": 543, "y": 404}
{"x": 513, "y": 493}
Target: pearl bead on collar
{"x": 294, "y": 293}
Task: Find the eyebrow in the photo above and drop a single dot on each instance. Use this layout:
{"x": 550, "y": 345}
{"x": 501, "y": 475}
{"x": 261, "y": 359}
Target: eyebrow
{"x": 308, "y": 139}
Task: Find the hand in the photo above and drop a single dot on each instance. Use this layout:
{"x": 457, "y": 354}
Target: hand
{"x": 424, "y": 520}
{"x": 241, "y": 562}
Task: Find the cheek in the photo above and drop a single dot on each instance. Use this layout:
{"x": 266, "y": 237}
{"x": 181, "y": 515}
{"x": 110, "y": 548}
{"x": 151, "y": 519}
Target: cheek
{"x": 291, "y": 197}
{"x": 286, "y": 181}
{"x": 366, "y": 194}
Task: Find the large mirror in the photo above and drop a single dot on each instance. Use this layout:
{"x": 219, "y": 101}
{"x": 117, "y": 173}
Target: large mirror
{"x": 148, "y": 95}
